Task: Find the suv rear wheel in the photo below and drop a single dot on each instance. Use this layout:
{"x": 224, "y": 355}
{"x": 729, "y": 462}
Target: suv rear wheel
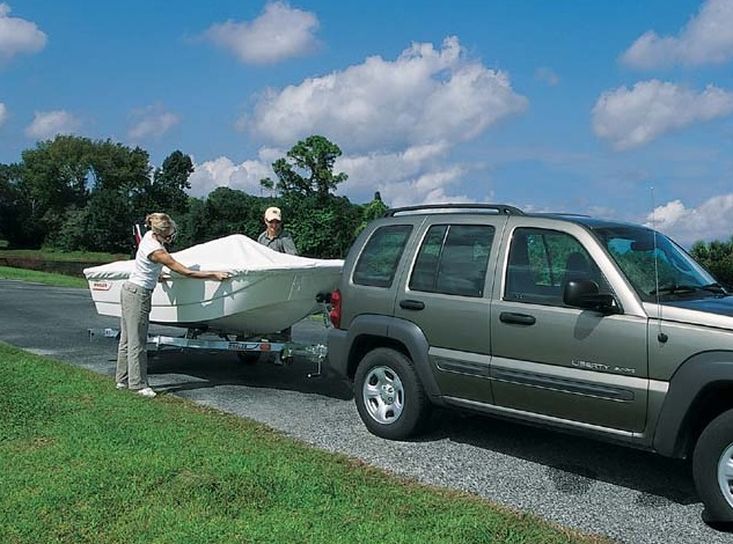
{"x": 389, "y": 396}
{"x": 712, "y": 468}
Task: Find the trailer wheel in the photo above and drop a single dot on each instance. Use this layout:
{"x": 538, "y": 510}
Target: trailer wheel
{"x": 249, "y": 357}
{"x": 389, "y": 396}
{"x": 712, "y": 469}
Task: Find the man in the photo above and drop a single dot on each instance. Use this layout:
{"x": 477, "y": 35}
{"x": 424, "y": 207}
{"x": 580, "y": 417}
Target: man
{"x": 274, "y": 236}
{"x": 280, "y": 240}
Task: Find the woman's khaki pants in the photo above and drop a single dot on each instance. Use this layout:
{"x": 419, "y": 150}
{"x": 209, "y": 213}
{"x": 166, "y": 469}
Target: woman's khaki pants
{"x": 132, "y": 355}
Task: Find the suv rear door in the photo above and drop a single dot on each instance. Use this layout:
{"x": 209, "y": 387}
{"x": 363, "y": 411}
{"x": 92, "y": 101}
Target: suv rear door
{"x": 446, "y": 292}
{"x": 565, "y": 362}
{"x": 376, "y": 267}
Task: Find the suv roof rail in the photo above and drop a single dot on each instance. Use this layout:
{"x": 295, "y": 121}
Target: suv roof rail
{"x": 562, "y": 214}
{"x": 498, "y": 209}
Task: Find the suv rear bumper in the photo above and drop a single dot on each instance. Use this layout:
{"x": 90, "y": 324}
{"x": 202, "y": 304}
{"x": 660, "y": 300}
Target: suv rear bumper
{"x": 338, "y": 352}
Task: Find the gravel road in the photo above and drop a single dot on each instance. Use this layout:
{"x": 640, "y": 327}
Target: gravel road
{"x": 628, "y": 495}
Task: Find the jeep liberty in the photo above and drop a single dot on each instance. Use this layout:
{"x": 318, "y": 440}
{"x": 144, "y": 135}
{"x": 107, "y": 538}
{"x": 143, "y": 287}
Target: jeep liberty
{"x": 599, "y": 327}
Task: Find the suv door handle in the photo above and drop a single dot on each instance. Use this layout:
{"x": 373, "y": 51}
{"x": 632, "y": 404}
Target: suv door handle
{"x": 408, "y": 304}
{"x": 518, "y": 319}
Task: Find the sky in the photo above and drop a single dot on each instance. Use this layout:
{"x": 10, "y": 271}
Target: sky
{"x": 619, "y": 109}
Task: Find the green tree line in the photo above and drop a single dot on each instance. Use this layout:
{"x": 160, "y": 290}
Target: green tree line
{"x": 717, "y": 258}
{"x": 77, "y": 194}
{"x": 72, "y": 193}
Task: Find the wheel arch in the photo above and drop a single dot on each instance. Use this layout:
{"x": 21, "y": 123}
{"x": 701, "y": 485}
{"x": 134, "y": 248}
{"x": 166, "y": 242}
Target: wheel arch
{"x": 371, "y": 332}
{"x": 700, "y": 390}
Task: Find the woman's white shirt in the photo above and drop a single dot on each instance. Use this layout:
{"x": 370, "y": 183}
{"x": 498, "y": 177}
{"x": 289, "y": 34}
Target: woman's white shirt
{"x": 146, "y": 272}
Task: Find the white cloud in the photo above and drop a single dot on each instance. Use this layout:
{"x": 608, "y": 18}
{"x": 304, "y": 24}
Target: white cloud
{"x": 426, "y": 95}
{"x": 152, "y": 121}
{"x": 223, "y": 172}
{"x": 18, "y": 35}
{"x": 547, "y": 75}
{"x": 370, "y": 170}
{"x": 707, "y": 38}
{"x": 631, "y": 118}
{"x": 280, "y": 32}
{"x": 3, "y": 113}
{"x": 711, "y": 220}
{"x": 47, "y": 124}
{"x": 429, "y": 188}
{"x": 417, "y": 175}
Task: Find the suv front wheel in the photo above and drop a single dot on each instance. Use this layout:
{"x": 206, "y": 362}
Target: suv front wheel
{"x": 712, "y": 468}
{"x": 389, "y": 396}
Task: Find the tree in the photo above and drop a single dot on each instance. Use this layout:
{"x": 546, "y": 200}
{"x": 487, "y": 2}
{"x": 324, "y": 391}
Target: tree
{"x": 14, "y": 207}
{"x": 717, "y": 257}
{"x": 374, "y": 210}
{"x": 55, "y": 177}
{"x": 321, "y": 228}
{"x": 229, "y": 211}
{"x": 167, "y": 192}
{"x": 315, "y": 158}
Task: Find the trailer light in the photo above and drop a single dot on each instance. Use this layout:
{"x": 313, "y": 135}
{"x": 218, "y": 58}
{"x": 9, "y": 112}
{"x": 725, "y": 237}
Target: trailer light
{"x": 335, "y": 313}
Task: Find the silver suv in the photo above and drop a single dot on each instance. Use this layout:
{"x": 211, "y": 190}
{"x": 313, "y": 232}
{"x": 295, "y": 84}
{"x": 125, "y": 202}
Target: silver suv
{"x": 602, "y": 327}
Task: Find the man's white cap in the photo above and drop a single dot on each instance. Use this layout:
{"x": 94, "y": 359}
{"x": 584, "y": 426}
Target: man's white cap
{"x": 273, "y": 213}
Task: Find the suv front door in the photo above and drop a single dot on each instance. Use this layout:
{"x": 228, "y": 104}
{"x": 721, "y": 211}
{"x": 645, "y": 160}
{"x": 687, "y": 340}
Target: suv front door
{"x": 564, "y": 362}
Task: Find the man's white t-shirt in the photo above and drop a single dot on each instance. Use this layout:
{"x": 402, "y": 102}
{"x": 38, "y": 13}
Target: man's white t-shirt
{"x": 146, "y": 272}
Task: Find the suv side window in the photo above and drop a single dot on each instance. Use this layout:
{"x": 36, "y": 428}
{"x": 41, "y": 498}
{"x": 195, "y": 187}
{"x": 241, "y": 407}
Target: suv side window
{"x": 378, "y": 261}
{"x": 452, "y": 260}
{"x": 542, "y": 261}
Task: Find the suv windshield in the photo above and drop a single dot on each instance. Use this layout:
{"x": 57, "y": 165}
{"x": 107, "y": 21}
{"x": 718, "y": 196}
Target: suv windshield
{"x": 635, "y": 250}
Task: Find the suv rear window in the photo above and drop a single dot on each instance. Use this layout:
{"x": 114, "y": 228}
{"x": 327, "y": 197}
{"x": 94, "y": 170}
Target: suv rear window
{"x": 378, "y": 261}
{"x": 453, "y": 259}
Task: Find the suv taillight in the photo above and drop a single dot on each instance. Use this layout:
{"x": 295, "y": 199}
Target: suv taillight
{"x": 335, "y": 313}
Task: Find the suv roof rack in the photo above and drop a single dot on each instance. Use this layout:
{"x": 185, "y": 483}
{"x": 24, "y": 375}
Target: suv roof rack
{"x": 497, "y": 209}
{"x": 562, "y": 214}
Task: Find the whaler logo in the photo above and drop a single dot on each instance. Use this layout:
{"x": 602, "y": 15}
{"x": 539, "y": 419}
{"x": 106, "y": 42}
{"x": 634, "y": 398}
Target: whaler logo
{"x": 101, "y": 286}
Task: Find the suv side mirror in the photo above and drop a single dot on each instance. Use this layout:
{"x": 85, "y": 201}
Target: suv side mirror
{"x": 585, "y": 294}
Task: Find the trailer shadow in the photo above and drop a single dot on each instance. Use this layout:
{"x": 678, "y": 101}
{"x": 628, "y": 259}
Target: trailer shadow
{"x": 216, "y": 369}
{"x": 574, "y": 464}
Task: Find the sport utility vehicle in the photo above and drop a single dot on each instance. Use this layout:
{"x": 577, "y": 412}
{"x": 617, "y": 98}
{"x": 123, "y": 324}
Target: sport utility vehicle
{"x": 599, "y": 327}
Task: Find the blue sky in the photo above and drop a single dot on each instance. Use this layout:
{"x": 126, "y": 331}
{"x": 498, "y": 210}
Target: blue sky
{"x": 551, "y": 106}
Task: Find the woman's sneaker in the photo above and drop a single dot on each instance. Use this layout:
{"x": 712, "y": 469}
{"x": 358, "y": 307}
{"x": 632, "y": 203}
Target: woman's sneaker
{"x": 120, "y": 385}
{"x": 146, "y": 392}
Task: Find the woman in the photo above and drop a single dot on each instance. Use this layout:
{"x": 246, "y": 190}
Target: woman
{"x": 151, "y": 256}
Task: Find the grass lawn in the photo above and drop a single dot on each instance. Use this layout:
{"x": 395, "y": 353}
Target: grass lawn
{"x": 82, "y": 462}
{"x": 57, "y": 280}
{"x": 50, "y": 255}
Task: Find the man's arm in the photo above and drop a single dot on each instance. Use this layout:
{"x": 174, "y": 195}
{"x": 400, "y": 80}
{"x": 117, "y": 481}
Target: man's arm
{"x": 288, "y": 244}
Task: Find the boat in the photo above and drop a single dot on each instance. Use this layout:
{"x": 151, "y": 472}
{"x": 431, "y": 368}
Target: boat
{"x": 267, "y": 292}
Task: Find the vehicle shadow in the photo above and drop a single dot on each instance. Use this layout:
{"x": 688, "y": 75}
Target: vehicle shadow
{"x": 574, "y": 464}
{"x": 215, "y": 369}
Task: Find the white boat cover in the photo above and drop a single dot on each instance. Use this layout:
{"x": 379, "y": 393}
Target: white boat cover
{"x": 268, "y": 291}
{"x": 237, "y": 254}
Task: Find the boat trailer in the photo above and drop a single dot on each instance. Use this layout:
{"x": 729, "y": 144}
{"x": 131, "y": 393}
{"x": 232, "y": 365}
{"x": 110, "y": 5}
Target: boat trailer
{"x": 248, "y": 350}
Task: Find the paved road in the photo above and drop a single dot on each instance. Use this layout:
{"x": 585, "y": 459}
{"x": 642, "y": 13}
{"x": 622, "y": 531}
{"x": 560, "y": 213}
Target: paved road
{"x": 628, "y": 495}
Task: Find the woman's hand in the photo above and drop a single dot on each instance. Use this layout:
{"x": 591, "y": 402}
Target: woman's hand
{"x": 220, "y": 276}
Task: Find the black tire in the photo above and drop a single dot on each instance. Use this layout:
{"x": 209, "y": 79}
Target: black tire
{"x": 410, "y": 408}
{"x": 715, "y": 444}
{"x": 249, "y": 357}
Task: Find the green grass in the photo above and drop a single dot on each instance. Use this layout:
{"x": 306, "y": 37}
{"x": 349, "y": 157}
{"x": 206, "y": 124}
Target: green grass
{"x": 82, "y": 463}
{"x": 57, "y": 280}
{"x": 51, "y": 255}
